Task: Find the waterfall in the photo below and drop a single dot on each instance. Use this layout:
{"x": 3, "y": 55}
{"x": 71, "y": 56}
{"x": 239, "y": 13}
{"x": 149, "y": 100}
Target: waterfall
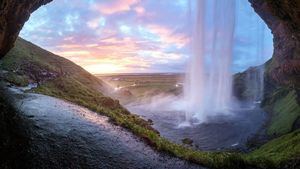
{"x": 255, "y": 75}
{"x": 209, "y": 78}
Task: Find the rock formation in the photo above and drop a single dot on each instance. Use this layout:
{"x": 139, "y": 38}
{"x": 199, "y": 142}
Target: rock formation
{"x": 13, "y": 15}
{"x": 283, "y": 18}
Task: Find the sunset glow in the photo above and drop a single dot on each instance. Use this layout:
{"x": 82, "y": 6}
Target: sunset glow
{"x": 119, "y": 36}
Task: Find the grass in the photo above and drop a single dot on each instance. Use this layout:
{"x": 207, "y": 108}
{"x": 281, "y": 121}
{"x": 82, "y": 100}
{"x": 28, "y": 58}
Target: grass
{"x": 286, "y": 111}
{"x": 70, "y": 82}
{"x": 277, "y": 152}
{"x": 19, "y": 80}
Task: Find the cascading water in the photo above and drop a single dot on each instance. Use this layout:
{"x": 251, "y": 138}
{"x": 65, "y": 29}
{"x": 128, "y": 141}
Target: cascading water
{"x": 209, "y": 78}
{"x": 255, "y": 75}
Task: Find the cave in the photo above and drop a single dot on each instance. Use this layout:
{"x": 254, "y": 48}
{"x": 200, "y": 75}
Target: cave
{"x": 282, "y": 17}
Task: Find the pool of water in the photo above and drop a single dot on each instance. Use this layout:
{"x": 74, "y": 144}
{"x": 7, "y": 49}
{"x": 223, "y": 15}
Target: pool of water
{"x": 217, "y": 133}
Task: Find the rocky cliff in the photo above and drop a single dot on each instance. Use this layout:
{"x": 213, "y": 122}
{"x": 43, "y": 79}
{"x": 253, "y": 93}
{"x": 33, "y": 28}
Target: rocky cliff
{"x": 13, "y": 15}
{"x": 281, "y": 97}
{"x": 283, "y": 18}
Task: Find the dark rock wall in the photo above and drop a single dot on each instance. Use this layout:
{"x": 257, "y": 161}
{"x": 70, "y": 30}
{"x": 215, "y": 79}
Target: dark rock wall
{"x": 13, "y": 15}
{"x": 14, "y": 140}
{"x": 283, "y": 18}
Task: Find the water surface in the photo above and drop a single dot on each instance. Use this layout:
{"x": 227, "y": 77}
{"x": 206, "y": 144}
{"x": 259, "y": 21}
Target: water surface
{"x": 217, "y": 133}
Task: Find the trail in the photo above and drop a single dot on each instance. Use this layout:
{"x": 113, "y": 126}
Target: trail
{"x": 64, "y": 135}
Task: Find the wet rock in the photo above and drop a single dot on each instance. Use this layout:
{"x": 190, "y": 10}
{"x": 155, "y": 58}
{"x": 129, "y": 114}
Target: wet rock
{"x": 187, "y": 141}
{"x": 13, "y": 139}
{"x": 150, "y": 121}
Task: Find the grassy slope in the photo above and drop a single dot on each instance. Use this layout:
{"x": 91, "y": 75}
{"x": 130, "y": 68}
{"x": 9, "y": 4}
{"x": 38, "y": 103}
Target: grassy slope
{"x": 74, "y": 84}
{"x": 277, "y": 152}
{"x": 286, "y": 111}
{"x": 282, "y": 102}
{"x": 27, "y": 60}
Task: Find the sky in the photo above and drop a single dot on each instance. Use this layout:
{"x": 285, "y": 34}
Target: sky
{"x": 136, "y": 36}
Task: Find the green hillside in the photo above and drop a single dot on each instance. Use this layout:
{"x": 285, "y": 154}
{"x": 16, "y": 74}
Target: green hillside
{"x": 27, "y": 62}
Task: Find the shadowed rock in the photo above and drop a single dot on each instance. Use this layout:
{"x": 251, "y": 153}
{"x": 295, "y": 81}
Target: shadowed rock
{"x": 283, "y": 18}
{"x": 13, "y": 15}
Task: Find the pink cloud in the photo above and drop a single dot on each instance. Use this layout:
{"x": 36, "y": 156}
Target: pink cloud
{"x": 115, "y": 6}
{"x": 93, "y": 24}
{"x": 140, "y": 10}
{"x": 168, "y": 36}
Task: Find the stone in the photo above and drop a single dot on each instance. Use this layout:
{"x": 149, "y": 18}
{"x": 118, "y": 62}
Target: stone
{"x": 187, "y": 141}
{"x": 283, "y": 18}
{"x": 13, "y": 15}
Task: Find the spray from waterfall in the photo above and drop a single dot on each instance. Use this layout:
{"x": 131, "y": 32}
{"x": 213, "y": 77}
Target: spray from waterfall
{"x": 209, "y": 78}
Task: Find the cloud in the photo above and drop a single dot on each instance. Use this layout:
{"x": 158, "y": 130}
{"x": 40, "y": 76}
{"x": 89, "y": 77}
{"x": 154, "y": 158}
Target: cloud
{"x": 169, "y": 36}
{"x": 115, "y": 6}
{"x": 96, "y": 23}
{"x": 140, "y": 10}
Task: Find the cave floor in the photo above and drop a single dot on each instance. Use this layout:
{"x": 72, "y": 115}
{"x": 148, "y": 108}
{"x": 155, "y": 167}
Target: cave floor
{"x": 64, "y": 135}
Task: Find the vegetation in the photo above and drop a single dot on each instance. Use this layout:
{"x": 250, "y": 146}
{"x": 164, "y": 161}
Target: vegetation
{"x": 19, "y": 80}
{"x": 63, "y": 79}
{"x": 277, "y": 152}
{"x": 286, "y": 111}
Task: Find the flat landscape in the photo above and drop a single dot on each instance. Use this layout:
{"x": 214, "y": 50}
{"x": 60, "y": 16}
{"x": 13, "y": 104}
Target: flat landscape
{"x": 133, "y": 87}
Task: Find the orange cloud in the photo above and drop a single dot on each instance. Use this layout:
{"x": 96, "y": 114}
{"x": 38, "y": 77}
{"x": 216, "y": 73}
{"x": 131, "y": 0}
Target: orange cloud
{"x": 109, "y": 55}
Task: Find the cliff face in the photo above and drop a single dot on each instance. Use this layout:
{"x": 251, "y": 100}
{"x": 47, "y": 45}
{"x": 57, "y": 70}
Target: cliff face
{"x": 283, "y": 18}
{"x": 13, "y": 15}
{"x": 282, "y": 75}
